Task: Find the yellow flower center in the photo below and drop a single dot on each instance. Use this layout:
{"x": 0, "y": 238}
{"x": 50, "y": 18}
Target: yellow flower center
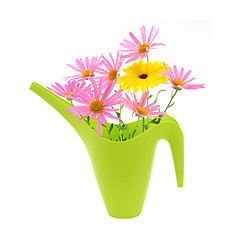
{"x": 176, "y": 82}
{"x": 143, "y": 76}
{"x": 142, "y": 47}
{"x": 87, "y": 73}
{"x": 68, "y": 93}
{"x": 96, "y": 106}
{"x": 112, "y": 74}
{"x": 141, "y": 111}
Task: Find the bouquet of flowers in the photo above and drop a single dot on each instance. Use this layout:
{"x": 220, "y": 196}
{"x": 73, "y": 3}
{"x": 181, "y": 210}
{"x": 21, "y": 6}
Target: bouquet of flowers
{"x": 97, "y": 91}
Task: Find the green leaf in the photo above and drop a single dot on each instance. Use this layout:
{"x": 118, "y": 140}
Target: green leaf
{"x": 121, "y": 137}
{"x": 118, "y": 114}
{"x": 154, "y": 120}
{"x": 88, "y": 120}
{"x": 149, "y": 96}
{"x": 103, "y": 125}
{"x": 146, "y": 126}
{"x": 111, "y": 127}
{"x": 133, "y": 132}
{"x": 126, "y": 127}
{"x": 156, "y": 99}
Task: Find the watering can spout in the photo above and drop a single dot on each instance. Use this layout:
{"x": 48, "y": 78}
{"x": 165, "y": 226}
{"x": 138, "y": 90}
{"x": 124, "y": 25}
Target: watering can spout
{"x": 60, "y": 105}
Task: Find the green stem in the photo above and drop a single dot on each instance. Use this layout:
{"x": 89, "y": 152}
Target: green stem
{"x": 147, "y": 90}
{"x": 71, "y": 101}
{"x": 147, "y": 105}
{"x": 123, "y": 124}
{"x": 108, "y": 132}
{"x": 120, "y": 124}
{"x": 121, "y": 120}
{"x": 143, "y": 124}
{"x": 171, "y": 99}
{"x": 135, "y": 127}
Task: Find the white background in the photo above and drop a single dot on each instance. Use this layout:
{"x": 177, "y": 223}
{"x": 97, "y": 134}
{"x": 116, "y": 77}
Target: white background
{"x": 47, "y": 185}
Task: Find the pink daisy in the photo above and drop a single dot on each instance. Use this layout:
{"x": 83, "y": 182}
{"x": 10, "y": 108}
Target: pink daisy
{"x": 140, "y": 109}
{"x": 112, "y": 68}
{"x": 137, "y": 49}
{"x": 86, "y": 69}
{"x": 178, "y": 80}
{"x": 96, "y": 104}
{"x": 68, "y": 89}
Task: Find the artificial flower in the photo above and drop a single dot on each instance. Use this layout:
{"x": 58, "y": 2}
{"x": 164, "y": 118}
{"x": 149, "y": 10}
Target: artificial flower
{"x": 112, "y": 68}
{"x": 137, "y": 49}
{"x": 86, "y": 69}
{"x": 143, "y": 75}
{"x": 68, "y": 89}
{"x": 179, "y": 80}
{"x": 140, "y": 108}
{"x": 96, "y": 104}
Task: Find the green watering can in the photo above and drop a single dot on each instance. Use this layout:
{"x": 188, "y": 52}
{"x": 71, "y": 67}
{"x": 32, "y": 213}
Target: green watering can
{"x": 123, "y": 169}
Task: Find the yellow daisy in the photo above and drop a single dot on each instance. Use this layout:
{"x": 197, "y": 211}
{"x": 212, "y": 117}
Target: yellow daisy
{"x": 143, "y": 75}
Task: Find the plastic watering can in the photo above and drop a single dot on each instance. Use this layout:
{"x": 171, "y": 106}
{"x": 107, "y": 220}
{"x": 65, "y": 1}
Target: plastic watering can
{"x": 122, "y": 169}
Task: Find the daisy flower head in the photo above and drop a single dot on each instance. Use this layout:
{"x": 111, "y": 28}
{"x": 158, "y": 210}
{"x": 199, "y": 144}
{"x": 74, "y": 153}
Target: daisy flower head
{"x": 143, "y": 75}
{"x": 86, "y": 69}
{"x": 69, "y": 89}
{"x": 136, "y": 49}
{"x": 140, "y": 109}
{"x": 178, "y": 80}
{"x": 96, "y": 104}
{"x": 112, "y": 68}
